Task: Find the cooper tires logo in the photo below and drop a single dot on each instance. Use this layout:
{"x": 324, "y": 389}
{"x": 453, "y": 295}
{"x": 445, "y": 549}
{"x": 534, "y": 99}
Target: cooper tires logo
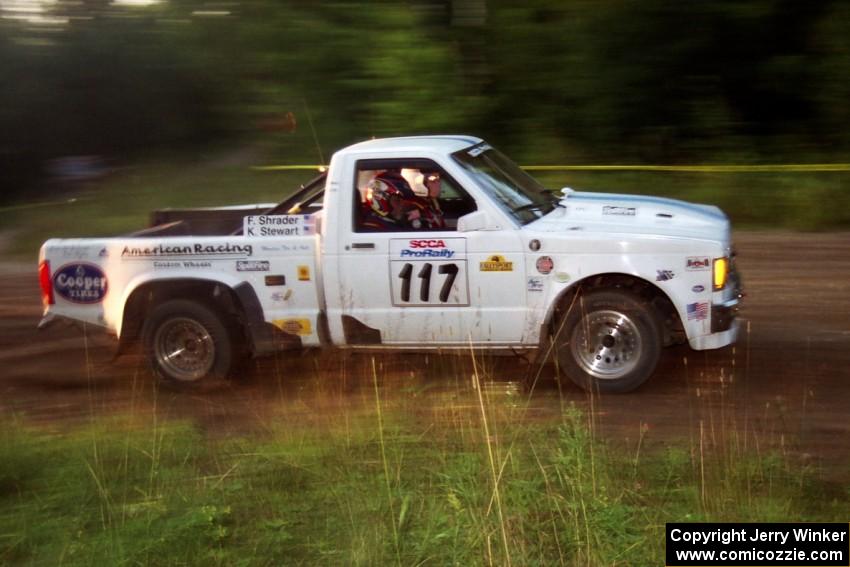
{"x": 80, "y": 283}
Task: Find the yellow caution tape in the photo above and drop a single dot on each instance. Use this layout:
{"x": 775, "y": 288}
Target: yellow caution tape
{"x": 47, "y": 204}
{"x": 288, "y": 167}
{"x": 777, "y": 168}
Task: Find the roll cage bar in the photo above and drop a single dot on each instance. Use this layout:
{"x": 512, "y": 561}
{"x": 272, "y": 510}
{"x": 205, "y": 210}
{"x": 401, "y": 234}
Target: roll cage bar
{"x": 305, "y": 196}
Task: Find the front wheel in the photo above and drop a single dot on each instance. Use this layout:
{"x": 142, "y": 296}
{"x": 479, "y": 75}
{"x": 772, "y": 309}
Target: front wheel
{"x": 187, "y": 343}
{"x": 610, "y": 342}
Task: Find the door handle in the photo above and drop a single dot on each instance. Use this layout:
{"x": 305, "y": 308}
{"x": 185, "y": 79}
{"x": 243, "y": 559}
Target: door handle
{"x": 363, "y": 245}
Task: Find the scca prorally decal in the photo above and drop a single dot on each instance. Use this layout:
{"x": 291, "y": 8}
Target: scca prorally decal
{"x": 183, "y": 251}
{"x": 427, "y": 253}
{"x": 427, "y": 248}
{"x": 80, "y": 283}
{"x": 664, "y": 275}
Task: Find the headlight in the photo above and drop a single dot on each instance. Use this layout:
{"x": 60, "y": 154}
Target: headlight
{"x": 721, "y": 273}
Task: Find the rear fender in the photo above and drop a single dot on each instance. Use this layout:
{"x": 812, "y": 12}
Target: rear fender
{"x": 236, "y": 299}
{"x": 171, "y": 285}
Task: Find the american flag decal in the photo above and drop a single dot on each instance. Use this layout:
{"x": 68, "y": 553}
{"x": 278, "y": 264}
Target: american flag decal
{"x": 697, "y": 311}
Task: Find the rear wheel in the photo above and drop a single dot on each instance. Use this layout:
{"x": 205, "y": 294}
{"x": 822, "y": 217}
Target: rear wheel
{"x": 610, "y": 342}
{"x": 187, "y": 343}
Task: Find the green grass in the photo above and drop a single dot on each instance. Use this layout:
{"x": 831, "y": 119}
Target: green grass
{"x": 384, "y": 475}
{"x": 122, "y": 203}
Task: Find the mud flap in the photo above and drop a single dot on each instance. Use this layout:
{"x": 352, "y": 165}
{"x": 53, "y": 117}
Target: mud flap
{"x": 259, "y": 333}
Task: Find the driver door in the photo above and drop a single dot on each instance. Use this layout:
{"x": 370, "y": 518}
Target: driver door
{"x": 411, "y": 287}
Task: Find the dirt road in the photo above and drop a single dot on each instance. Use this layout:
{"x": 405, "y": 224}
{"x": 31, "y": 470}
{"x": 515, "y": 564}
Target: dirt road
{"x": 786, "y": 382}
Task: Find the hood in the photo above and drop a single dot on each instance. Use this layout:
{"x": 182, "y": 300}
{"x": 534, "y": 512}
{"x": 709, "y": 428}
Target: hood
{"x": 634, "y": 214}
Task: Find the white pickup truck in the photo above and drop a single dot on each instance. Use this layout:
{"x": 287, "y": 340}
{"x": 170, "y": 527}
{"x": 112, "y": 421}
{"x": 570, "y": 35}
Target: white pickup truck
{"x": 602, "y": 281}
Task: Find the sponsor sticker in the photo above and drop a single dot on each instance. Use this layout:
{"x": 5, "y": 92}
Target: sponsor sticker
{"x": 664, "y": 275}
{"x": 562, "y": 277}
{"x": 80, "y": 282}
{"x": 280, "y": 296}
{"x": 278, "y": 225}
{"x": 427, "y": 248}
{"x": 697, "y": 311}
{"x": 697, "y": 263}
{"x": 698, "y": 289}
{"x": 545, "y": 265}
{"x": 619, "y": 211}
{"x": 176, "y": 251}
{"x": 496, "y": 263}
{"x": 252, "y": 266}
{"x": 75, "y": 252}
{"x": 535, "y": 284}
{"x": 186, "y": 264}
{"x": 303, "y": 273}
{"x": 299, "y": 327}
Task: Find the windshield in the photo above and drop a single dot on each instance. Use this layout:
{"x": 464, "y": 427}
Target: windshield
{"x": 518, "y": 193}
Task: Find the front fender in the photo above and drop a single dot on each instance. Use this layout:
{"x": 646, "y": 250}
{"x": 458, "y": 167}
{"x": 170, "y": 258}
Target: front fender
{"x": 561, "y": 295}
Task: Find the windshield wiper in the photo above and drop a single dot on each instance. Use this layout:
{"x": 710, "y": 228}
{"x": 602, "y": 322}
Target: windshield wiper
{"x": 529, "y": 207}
{"x": 554, "y": 201}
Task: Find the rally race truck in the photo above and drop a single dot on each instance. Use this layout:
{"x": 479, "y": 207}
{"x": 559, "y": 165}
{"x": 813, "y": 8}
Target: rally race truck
{"x": 601, "y": 281}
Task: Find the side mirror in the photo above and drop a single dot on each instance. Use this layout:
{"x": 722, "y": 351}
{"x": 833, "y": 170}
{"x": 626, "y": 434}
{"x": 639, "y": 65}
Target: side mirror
{"x": 476, "y": 220}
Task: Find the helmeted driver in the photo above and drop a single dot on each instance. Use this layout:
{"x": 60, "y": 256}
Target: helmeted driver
{"x": 391, "y": 204}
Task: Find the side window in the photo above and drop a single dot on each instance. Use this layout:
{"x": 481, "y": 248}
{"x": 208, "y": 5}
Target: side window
{"x": 401, "y": 195}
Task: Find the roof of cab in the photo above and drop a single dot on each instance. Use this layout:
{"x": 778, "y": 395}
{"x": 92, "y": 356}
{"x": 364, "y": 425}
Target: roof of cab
{"x": 442, "y": 143}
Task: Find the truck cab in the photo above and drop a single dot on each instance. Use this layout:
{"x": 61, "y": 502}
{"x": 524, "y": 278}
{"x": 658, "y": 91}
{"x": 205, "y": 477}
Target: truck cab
{"x": 416, "y": 287}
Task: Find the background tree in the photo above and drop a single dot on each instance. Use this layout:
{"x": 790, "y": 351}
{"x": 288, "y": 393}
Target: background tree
{"x": 582, "y": 81}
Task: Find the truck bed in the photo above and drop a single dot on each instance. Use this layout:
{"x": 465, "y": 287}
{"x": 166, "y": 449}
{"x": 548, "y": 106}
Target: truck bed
{"x": 219, "y": 221}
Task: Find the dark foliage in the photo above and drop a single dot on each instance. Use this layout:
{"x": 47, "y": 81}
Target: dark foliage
{"x": 651, "y": 81}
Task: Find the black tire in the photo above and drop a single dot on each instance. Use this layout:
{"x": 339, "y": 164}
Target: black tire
{"x": 610, "y": 342}
{"x": 187, "y": 343}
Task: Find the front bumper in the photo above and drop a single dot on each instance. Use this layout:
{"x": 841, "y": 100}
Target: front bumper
{"x": 724, "y": 318}
{"x": 716, "y": 340}
{"x": 723, "y": 315}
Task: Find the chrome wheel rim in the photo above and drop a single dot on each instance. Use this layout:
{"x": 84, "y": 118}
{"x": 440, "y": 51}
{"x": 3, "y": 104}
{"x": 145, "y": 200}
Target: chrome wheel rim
{"x": 606, "y": 344}
{"x": 184, "y": 349}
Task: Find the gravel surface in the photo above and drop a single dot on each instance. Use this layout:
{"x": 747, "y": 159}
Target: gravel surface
{"x": 784, "y": 385}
